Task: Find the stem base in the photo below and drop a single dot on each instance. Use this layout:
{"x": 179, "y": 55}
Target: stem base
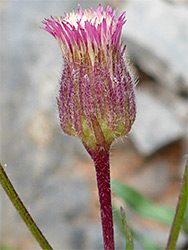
{"x": 102, "y": 167}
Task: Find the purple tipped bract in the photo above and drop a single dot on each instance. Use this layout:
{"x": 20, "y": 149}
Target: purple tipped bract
{"x": 96, "y": 99}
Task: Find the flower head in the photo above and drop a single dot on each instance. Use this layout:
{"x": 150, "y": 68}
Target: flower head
{"x": 96, "y": 99}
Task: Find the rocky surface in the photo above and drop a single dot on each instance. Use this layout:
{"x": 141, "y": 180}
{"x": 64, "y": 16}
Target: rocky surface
{"x": 157, "y": 123}
{"x": 156, "y": 35}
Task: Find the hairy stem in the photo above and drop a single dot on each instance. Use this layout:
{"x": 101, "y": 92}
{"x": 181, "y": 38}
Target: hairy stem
{"x": 18, "y": 204}
{"x": 180, "y": 212}
{"x": 102, "y": 167}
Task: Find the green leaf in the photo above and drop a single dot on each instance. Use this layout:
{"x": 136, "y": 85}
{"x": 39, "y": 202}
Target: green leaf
{"x": 2, "y": 247}
{"x": 141, "y": 205}
{"x": 146, "y": 243}
{"x": 127, "y": 232}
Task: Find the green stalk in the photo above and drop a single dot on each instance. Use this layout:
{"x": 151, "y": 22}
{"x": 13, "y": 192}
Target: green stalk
{"x": 180, "y": 212}
{"x": 18, "y": 204}
{"x": 127, "y": 231}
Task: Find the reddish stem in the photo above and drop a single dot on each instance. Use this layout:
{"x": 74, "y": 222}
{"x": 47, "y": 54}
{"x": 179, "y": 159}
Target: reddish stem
{"x": 101, "y": 161}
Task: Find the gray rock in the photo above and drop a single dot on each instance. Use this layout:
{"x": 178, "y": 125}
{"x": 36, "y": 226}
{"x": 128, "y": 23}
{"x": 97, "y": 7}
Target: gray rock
{"x": 156, "y": 125}
{"x": 155, "y": 175}
{"x": 156, "y": 35}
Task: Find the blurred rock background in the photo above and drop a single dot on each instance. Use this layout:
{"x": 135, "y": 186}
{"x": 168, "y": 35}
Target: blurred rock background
{"x": 51, "y": 171}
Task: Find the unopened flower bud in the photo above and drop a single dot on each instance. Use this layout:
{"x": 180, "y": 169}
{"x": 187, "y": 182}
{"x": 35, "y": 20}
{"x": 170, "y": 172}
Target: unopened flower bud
{"x": 96, "y": 99}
